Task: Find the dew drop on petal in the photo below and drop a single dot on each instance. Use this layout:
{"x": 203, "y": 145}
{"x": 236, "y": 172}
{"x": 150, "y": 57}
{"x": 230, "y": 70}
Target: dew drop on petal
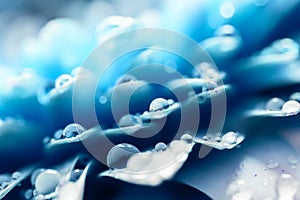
{"x": 274, "y": 104}
{"x": 158, "y": 104}
{"x": 73, "y": 130}
{"x": 160, "y": 146}
{"x": 295, "y": 96}
{"x": 58, "y": 134}
{"x": 187, "y": 137}
{"x": 34, "y": 174}
{"x": 47, "y": 181}
{"x": 229, "y": 138}
{"x": 291, "y": 107}
{"x": 16, "y": 175}
{"x": 118, "y": 156}
{"x": 272, "y": 164}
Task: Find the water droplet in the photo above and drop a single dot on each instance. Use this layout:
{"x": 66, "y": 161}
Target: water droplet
{"x": 4, "y": 185}
{"x": 47, "y": 181}
{"x": 58, "y": 134}
{"x": 62, "y": 82}
{"x": 292, "y": 160}
{"x": 218, "y": 139}
{"x": 34, "y": 174}
{"x": 73, "y": 130}
{"x": 125, "y": 79}
{"x": 286, "y": 186}
{"x": 16, "y": 175}
{"x": 46, "y": 140}
{"x": 28, "y": 194}
{"x": 160, "y": 146}
{"x": 274, "y": 104}
{"x": 295, "y": 96}
{"x": 102, "y": 99}
{"x": 187, "y": 137}
{"x": 291, "y": 107}
{"x": 158, "y": 104}
{"x": 118, "y": 156}
{"x": 205, "y": 138}
{"x": 170, "y": 101}
{"x": 75, "y": 174}
{"x": 272, "y": 164}
{"x": 229, "y": 138}
{"x": 130, "y": 120}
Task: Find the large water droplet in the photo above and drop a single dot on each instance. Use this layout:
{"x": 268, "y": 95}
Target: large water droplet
{"x": 34, "y": 174}
{"x": 73, "y": 130}
{"x": 274, "y": 104}
{"x": 130, "y": 120}
{"x": 158, "y": 107}
{"x": 287, "y": 187}
{"x": 118, "y": 156}
{"x": 291, "y": 107}
{"x": 47, "y": 181}
{"x": 272, "y": 164}
{"x": 160, "y": 146}
{"x": 62, "y": 82}
{"x": 187, "y": 137}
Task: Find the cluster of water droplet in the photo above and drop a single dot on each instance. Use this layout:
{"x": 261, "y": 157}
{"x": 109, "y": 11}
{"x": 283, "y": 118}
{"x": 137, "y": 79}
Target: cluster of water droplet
{"x": 7, "y": 179}
{"x": 290, "y": 107}
{"x": 227, "y": 141}
{"x": 150, "y": 167}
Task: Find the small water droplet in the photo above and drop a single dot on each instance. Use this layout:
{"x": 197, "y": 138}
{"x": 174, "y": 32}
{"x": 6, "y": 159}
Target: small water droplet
{"x": 160, "y": 146}
{"x": 218, "y": 139}
{"x": 47, "y": 181}
{"x": 274, "y": 104}
{"x": 46, "y": 140}
{"x": 16, "y": 175}
{"x": 295, "y": 96}
{"x": 205, "y": 138}
{"x": 292, "y": 160}
{"x": 73, "y": 130}
{"x": 62, "y": 82}
{"x": 291, "y": 107}
{"x": 272, "y": 164}
{"x": 118, "y": 156}
{"x": 187, "y": 137}
{"x": 4, "y": 185}
{"x": 229, "y": 138}
{"x": 28, "y": 194}
{"x": 130, "y": 120}
{"x": 58, "y": 134}
{"x": 75, "y": 174}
